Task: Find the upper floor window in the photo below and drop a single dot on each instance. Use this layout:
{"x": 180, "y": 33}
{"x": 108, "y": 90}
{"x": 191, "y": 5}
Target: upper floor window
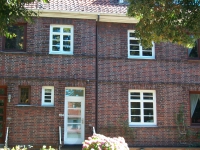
{"x": 135, "y": 50}
{"x": 47, "y": 96}
{"x": 18, "y": 41}
{"x": 142, "y": 107}
{"x": 194, "y": 53}
{"x": 61, "y": 39}
{"x": 195, "y": 108}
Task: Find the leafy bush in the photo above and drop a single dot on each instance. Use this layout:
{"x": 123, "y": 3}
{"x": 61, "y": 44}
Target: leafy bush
{"x": 101, "y": 142}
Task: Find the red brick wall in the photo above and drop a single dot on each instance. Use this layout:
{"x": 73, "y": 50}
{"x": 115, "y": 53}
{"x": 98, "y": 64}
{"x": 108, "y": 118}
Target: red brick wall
{"x": 170, "y": 74}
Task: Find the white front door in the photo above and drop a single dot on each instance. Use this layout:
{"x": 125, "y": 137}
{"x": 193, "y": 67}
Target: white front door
{"x": 74, "y": 115}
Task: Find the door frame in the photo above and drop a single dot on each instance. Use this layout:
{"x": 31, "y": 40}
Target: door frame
{"x": 2, "y": 140}
{"x": 74, "y": 99}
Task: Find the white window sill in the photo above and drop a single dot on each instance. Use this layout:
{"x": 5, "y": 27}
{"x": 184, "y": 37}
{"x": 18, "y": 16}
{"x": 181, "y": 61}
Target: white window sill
{"x": 141, "y": 57}
{"x": 141, "y": 126}
{"x": 52, "y": 53}
{"x": 21, "y": 105}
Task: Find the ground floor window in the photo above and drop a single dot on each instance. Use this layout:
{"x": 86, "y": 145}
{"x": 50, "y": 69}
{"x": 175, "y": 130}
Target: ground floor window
{"x": 142, "y": 107}
{"x": 195, "y": 108}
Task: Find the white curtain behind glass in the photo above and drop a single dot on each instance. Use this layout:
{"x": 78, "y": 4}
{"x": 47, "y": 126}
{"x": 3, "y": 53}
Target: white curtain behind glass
{"x": 193, "y": 102}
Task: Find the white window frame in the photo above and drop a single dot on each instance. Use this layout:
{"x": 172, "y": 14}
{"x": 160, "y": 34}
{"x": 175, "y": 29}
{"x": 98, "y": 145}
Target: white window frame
{"x": 141, "y": 100}
{"x": 43, "y": 96}
{"x": 140, "y": 48}
{"x": 61, "y": 40}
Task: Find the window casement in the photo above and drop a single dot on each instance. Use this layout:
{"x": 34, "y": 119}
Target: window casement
{"x": 47, "y": 96}
{"x": 142, "y": 108}
{"x": 194, "y": 53}
{"x": 61, "y": 39}
{"x": 195, "y": 108}
{"x": 136, "y": 51}
{"x": 24, "y": 95}
{"x": 18, "y": 42}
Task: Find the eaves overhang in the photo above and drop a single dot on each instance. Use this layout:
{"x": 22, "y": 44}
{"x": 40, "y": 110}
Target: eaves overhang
{"x": 101, "y": 17}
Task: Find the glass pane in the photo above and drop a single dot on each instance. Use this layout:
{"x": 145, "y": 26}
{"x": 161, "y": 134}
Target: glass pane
{"x": 66, "y": 43}
{"x": 56, "y": 29}
{"x": 148, "y": 112}
{"x": 2, "y": 91}
{"x": 74, "y": 130}
{"x": 56, "y": 48}
{"x": 24, "y": 95}
{"x": 131, "y": 34}
{"x": 55, "y": 42}
{"x": 1, "y": 102}
{"x": 148, "y": 96}
{"x": 1, "y": 134}
{"x": 135, "y": 111}
{"x": 1, "y": 126}
{"x": 1, "y": 118}
{"x": 66, "y": 37}
{"x": 56, "y": 37}
{"x": 66, "y": 48}
{"x": 1, "y": 111}
{"x": 135, "y": 104}
{"x": 196, "y": 112}
{"x": 134, "y": 53}
{"x": 134, "y": 47}
{"x": 145, "y": 53}
{"x": 135, "y": 95}
{"x": 73, "y": 92}
{"x": 135, "y": 119}
{"x": 67, "y": 30}
{"x": 134, "y": 42}
{"x": 148, "y": 105}
{"x": 194, "y": 51}
{"x": 148, "y": 119}
{"x": 16, "y": 42}
{"x": 74, "y": 105}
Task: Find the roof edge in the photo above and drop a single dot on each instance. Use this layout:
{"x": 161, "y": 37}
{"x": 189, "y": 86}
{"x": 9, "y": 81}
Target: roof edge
{"x": 103, "y": 17}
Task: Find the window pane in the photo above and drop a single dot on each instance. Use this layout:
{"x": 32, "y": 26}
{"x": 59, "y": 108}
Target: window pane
{"x": 135, "y": 119}
{"x": 148, "y": 96}
{"x": 135, "y": 111}
{"x": 134, "y": 53}
{"x": 196, "y": 111}
{"x": 148, "y": 119}
{"x": 2, "y": 91}
{"x": 24, "y": 95}
{"x": 72, "y": 92}
{"x": 148, "y": 112}
{"x": 56, "y": 29}
{"x": 148, "y": 105}
{"x": 75, "y": 105}
{"x": 145, "y": 53}
{"x": 17, "y": 42}
{"x": 1, "y": 102}
{"x": 56, "y": 42}
{"x": 133, "y": 47}
{"x": 135, "y": 95}
{"x": 56, "y": 37}
{"x": 66, "y": 37}
{"x": 135, "y": 104}
{"x": 67, "y": 30}
{"x": 194, "y": 51}
{"x": 134, "y": 42}
{"x": 66, "y": 48}
{"x": 66, "y": 43}
{"x": 56, "y": 48}
{"x": 131, "y": 34}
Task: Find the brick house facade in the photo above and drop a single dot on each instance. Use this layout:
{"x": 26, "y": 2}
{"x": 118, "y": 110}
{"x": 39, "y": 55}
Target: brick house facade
{"x": 110, "y": 81}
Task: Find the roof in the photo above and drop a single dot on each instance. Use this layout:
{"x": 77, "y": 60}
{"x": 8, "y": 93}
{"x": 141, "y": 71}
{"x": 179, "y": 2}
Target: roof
{"x": 84, "y": 6}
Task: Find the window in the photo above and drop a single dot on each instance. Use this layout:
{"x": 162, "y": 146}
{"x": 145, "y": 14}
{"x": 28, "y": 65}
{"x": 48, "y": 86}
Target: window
{"x": 18, "y": 42}
{"x": 24, "y": 95}
{"x": 195, "y": 108}
{"x": 47, "y": 96}
{"x": 142, "y": 107}
{"x": 194, "y": 53}
{"x": 135, "y": 50}
{"x": 61, "y": 39}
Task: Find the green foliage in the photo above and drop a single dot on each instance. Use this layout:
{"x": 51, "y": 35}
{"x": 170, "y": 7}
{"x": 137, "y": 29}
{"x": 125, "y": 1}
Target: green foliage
{"x": 12, "y": 11}
{"x": 45, "y": 148}
{"x": 175, "y": 21}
